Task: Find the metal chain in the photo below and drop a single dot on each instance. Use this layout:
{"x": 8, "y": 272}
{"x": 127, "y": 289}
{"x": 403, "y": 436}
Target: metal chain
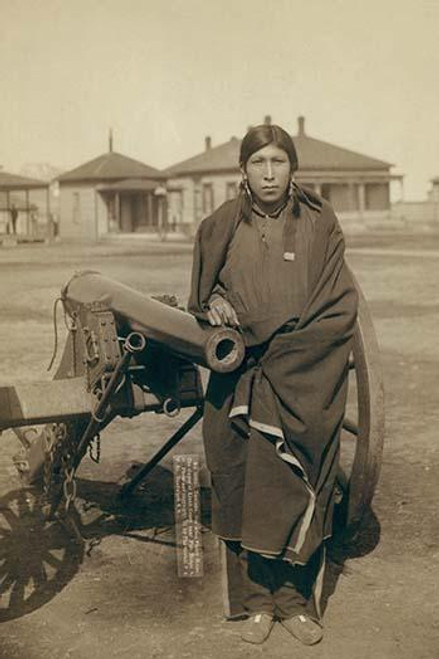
{"x": 69, "y": 483}
{"x": 49, "y": 449}
{"x": 54, "y": 436}
{"x": 61, "y": 450}
{"x": 58, "y": 449}
{"x": 69, "y": 486}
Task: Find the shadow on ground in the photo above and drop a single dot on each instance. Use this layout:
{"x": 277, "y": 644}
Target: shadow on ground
{"x": 39, "y": 556}
{"x": 347, "y": 544}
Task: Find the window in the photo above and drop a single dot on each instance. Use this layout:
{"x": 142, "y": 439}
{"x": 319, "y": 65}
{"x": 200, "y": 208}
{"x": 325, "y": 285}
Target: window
{"x": 76, "y": 208}
{"x": 377, "y": 196}
{"x": 207, "y": 198}
{"x": 111, "y": 207}
{"x": 342, "y": 196}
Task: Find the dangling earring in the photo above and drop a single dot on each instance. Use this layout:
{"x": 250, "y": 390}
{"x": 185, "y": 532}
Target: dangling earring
{"x": 247, "y": 200}
{"x": 246, "y": 188}
{"x": 294, "y": 196}
{"x": 291, "y": 188}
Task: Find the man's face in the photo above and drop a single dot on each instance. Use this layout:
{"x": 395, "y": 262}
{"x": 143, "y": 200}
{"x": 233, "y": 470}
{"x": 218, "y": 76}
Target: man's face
{"x": 269, "y": 173}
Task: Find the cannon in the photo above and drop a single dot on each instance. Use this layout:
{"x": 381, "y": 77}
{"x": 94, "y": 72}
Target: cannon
{"x": 128, "y": 354}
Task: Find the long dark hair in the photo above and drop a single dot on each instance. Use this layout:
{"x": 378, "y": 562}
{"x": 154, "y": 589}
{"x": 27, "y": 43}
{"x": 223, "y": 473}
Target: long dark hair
{"x": 259, "y": 136}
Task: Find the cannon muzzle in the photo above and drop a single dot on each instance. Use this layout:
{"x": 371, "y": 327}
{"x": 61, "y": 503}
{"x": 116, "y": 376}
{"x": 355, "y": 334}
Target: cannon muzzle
{"x": 219, "y": 349}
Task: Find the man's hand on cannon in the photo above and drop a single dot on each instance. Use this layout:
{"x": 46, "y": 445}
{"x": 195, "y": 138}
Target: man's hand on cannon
{"x": 221, "y": 312}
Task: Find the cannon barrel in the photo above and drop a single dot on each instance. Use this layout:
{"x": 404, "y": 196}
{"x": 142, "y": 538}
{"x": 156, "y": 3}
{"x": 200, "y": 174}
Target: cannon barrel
{"x": 220, "y": 349}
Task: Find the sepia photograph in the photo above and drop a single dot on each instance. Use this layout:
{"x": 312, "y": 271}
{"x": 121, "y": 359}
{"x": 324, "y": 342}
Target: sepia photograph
{"x": 219, "y": 271}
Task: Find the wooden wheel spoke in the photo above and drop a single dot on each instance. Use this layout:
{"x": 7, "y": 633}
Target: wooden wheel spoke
{"x": 17, "y": 594}
{"x": 6, "y": 583}
{"x": 10, "y": 517}
{"x": 52, "y": 560}
{"x": 39, "y": 576}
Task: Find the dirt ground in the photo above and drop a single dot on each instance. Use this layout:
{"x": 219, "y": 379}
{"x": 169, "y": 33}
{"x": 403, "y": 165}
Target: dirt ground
{"x": 119, "y": 595}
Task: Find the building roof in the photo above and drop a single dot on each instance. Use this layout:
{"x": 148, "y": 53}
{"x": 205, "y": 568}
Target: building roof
{"x": 213, "y": 159}
{"x": 110, "y": 166}
{"x": 316, "y": 154}
{"x": 313, "y": 154}
{"x": 15, "y": 182}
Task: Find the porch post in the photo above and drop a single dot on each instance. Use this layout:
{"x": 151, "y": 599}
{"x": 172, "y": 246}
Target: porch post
{"x": 362, "y": 199}
{"x": 27, "y": 211}
{"x": 117, "y": 210}
{"x": 353, "y": 205}
{"x": 8, "y": 212}
{"x": 149, "y": 221}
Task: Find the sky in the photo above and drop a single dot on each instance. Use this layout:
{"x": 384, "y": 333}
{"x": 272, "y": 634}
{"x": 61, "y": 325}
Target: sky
{"x": 163, "y": 75}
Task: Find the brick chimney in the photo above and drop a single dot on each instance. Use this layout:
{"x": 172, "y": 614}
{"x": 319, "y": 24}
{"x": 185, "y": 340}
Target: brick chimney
{"x": 267, "y": 120}
{"x": 208, "y": 143}
{"x": 301, "y": 126}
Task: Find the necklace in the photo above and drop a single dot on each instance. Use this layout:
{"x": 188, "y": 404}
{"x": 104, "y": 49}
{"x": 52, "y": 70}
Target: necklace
{"x": 264, "y": 221}
{"x": 273, "y": 215}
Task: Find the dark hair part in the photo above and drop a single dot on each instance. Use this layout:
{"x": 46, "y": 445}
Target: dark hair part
{"x": 259, "y": 136}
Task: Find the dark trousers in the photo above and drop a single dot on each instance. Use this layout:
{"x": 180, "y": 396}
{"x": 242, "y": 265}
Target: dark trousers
{"x": 274, "y": 586}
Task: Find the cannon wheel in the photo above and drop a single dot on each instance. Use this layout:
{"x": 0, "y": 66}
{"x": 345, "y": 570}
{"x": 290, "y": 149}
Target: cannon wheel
{"x": 367, "y": 430}
{"x": 38, "y": 557}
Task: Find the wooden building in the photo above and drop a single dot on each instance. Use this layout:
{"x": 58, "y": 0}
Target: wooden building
{"x": 30, "y": 199}
{"x": 357, "y": 186}
{"x": 110, "y": 194}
